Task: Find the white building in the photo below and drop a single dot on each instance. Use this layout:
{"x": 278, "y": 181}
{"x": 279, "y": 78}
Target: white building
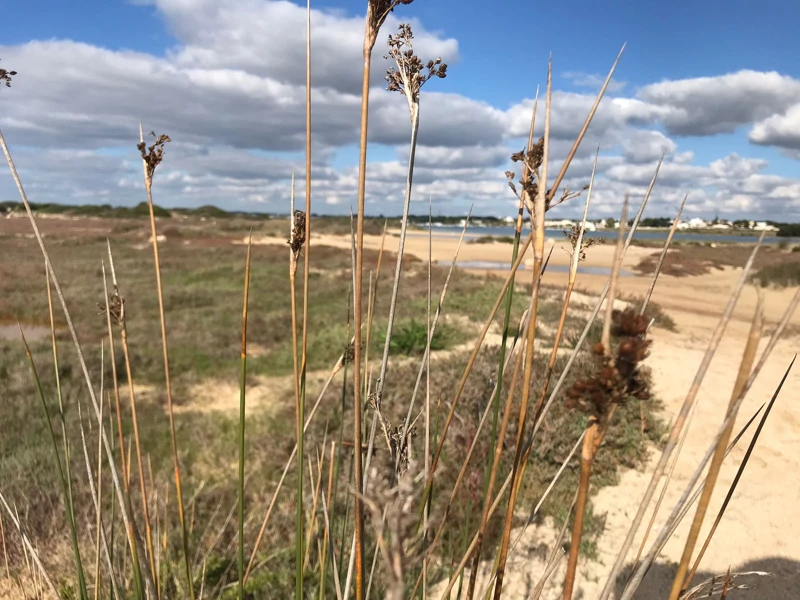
{"x": 762, "y": 226}
{"x": 695, "y": 223}
{"x": 559, "y": 224}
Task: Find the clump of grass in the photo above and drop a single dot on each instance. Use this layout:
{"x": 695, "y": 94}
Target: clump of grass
{"x": 780, "y": 275}
{"x": 411, "y": 339}
{"x": 492, "y": 239}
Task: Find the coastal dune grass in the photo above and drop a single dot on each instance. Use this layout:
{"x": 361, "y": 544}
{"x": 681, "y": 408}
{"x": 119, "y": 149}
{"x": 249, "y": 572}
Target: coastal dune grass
{"x": 393, "y": 494}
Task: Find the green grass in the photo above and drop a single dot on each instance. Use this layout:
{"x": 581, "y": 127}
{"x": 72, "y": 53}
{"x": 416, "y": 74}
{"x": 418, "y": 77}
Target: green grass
{"x": 203, "y": 295}
{"x": 411, "y": 339}
{"x": 491, "y": 239}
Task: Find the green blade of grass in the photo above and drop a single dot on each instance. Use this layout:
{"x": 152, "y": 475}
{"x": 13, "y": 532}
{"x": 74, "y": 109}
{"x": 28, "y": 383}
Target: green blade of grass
{"x": 65, "y": 485}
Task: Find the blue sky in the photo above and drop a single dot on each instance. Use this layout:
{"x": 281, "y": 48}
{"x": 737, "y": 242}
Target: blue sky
{"x": 502, "y": 50}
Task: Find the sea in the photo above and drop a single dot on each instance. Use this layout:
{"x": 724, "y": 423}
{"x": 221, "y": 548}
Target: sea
{"x": 612, "y": 234}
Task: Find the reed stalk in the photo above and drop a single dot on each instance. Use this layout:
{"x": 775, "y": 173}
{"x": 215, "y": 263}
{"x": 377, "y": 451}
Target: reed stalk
{"x": 537, "y": 218}
{"x": 750, "y": 350}
{"x": 65, "y": 485}
{"x": 242, "y": 412}
{"x": 680, "y": 421}
{"x": 149, "y": 163}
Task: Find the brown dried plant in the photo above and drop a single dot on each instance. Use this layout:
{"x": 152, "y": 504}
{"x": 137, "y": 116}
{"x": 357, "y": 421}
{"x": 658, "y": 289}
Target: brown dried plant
{"x": 573, "y": 235}
{"x": 115, "y": 307}
{"x": 618, "y": 376}
{"x": 377, "y": 11}
{"x": 297, "y": 238}
{"x": 153, "y": 155}
{"x": 393, "y": 508}
{"x": 410, "y": 74}
{"x": 532, "y": 162}
{"x": 5, "y": 76}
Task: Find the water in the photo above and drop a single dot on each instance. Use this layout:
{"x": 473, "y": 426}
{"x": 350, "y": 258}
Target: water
{"x": 497, "y": 265}
{"x": 612, "y": 234}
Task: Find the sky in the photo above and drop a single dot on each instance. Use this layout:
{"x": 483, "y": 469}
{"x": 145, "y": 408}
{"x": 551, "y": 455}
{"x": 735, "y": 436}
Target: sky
{"x": 713, "y": 85}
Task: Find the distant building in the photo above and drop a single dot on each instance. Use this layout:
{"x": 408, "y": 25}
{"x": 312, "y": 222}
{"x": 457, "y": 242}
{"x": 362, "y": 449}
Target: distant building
{"x": 695, "y": 223}
{"x": 559, "y": 224}
{"x": 762, "y": 226}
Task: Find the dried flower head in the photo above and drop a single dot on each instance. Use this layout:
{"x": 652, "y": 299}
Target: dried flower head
{"x": 532, "y": 161}
{"x": 573, "y": 234}
{"x": 5, "y": 76}
{"x": 349, "y": 354}
{"x": 298, "y": 236}
{"x": 154, "y": 154}
{"x": 377, "y": 11}
{"x": 115, "y": 306}
{"x": 411, "y": 74}
{"x": 618, "y": 377}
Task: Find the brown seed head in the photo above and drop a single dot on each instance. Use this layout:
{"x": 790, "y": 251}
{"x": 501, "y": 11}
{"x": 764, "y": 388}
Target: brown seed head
{"x": 410, "y": 74}
{"x": 5, "y": 76}
{"x": 154, "y": 154}
{"x": 377, "y": 11}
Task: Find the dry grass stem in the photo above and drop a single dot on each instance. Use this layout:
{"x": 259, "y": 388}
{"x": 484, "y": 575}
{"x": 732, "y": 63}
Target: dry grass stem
{"x": 732, "y": 487}
{"x": 663, "y": 254}
{"x": 150, "y": 160}
{"x": 748, "y": 358}
{"x": 681, "y": 504}
{"x": 537, "y": 219}
{"x": 127, "y": 514}
{"x": 680, "y": 421}
{"x": 30, "y": 549}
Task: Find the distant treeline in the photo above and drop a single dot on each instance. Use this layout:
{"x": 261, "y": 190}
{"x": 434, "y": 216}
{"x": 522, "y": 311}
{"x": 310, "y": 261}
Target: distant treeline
{"x": 127, "y": 212}
{"x": 787, "y": 229}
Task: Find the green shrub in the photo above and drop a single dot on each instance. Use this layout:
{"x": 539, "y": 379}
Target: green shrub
{"x": 411, "y": 338}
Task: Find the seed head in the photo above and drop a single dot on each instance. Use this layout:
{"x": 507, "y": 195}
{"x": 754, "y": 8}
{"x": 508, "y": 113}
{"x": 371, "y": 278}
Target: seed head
{"x": 154, "y": 154}
{"x": 586, "y": 243}
{"x": 298, "y": 236}
{"x": 617, "y": 377}
{"x": 377, "y": 11}
{"x": 5, "y": 76}
{"x": 410, "y": 74}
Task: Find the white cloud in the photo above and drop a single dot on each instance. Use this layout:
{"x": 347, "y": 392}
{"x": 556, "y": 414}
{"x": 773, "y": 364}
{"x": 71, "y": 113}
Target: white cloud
{"x": 710, "y": 105}
{"x": 593, "y": 81}
{"x": 231, "y": 93}
{"x": 781, "y": 130}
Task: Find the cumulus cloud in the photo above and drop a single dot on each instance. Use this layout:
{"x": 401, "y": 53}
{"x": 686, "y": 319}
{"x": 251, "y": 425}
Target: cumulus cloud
{"x": 781, "y": 130}
{"x": 231, "y": 93}
{"x": 721, "y": 104}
